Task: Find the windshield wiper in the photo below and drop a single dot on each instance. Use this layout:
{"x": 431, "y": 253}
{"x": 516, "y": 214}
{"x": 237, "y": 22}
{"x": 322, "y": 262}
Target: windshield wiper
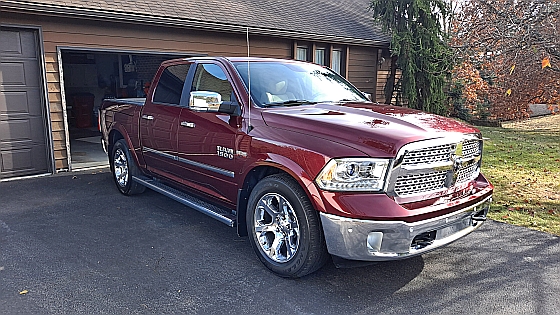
{"x": 290, "y": 103}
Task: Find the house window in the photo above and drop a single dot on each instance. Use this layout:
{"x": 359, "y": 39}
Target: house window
{"x": 320, "y": 56}
{"x": 302, "y": 53}
{"x": 336, "y": 61}
{"x": 330, "y": 55}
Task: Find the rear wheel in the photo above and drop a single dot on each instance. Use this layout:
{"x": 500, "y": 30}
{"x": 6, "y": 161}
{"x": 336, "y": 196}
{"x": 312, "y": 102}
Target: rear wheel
{"x": 123, "y": 168}
{"x": 284, "y": 228}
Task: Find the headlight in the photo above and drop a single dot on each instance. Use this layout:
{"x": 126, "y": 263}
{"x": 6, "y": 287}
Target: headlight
{"x": 353, "y": 174}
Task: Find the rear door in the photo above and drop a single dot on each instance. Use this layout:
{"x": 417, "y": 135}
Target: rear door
{"x": 24, "y": 148}
{"x": 206, "y": 140}
{"x": 159, "y": 121}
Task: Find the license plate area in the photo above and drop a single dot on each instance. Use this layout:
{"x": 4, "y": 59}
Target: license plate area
{"x": 455, "y": 227}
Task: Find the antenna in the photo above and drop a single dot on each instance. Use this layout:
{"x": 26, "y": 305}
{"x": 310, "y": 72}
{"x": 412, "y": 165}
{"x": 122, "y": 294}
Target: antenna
{"x": 249, "y": 127}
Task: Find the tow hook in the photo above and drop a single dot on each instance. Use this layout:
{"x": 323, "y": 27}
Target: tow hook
{"x": 480, "y": 215}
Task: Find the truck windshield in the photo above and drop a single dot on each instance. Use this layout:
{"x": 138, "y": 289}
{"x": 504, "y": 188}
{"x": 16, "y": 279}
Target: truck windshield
{"x": 292, "y": 84}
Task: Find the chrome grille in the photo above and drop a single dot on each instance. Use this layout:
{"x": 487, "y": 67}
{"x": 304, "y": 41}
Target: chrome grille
{"x": 471, "y": 148}
{"x": 420, "y": 183}
{"x": 436, "y": 166}
{"x": 435, "y": 154}
{"x": 466, "y": 174}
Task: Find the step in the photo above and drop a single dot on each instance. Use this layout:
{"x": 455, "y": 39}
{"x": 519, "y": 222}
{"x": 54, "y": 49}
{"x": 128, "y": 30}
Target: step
{"x": 221, "y": 214}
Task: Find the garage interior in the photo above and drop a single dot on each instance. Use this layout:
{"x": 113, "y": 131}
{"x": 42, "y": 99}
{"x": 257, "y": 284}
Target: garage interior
{"x": 91, "y": 76}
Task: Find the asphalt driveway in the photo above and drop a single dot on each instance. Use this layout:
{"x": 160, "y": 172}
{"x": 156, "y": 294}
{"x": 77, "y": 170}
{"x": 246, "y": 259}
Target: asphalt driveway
{"x": 78, "y": 246}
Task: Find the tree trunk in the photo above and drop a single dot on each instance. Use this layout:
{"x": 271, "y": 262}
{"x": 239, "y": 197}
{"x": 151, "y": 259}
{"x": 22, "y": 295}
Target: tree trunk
{"x": 390, "y": 85}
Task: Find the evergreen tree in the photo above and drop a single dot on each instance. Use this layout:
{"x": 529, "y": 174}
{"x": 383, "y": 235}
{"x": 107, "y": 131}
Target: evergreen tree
{"x": 420, "y": 50}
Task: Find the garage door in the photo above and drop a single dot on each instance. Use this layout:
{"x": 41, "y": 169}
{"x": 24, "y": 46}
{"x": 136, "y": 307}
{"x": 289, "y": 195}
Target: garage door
{"x": 23, "y": 137}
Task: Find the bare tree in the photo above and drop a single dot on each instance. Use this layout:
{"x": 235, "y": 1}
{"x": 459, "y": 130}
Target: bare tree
{"x": 508, "y": 54}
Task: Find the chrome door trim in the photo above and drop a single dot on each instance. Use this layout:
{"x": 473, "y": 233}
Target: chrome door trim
{"x": 160, "y": 153}
{"x": 207, "y": 167}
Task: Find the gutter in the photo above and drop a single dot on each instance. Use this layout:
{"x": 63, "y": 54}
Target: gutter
{"x": 94, "y": 14}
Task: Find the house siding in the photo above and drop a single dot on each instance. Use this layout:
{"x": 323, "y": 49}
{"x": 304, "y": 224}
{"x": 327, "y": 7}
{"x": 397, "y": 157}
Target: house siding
{"x": 362, "y": 68}
{"x": 99, "y": 35}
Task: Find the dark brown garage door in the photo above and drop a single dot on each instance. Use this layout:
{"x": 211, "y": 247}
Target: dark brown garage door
{"x": 23, "y": 137}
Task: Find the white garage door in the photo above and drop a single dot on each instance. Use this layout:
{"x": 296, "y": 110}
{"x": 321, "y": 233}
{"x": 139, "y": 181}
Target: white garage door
{"x": 23, "y": 132}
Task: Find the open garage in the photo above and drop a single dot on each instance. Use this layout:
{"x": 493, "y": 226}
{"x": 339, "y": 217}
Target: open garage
{"x": 88, "y": 77}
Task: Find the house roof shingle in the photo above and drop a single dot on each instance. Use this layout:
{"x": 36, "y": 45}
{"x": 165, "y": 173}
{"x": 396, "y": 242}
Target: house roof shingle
{"x": 344, "y": 21}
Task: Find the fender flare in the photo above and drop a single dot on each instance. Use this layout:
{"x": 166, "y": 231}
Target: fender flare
{"x": 291, "y": 168}
{"x": 117, "y": 127}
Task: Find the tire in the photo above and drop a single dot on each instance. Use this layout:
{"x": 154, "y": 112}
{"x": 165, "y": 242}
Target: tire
{"x": 123, "y": 168}
{"x": 284, "y": 228}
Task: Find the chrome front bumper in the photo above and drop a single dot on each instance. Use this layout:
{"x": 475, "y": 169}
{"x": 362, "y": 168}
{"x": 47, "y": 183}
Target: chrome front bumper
{"x": 389, "y": 240}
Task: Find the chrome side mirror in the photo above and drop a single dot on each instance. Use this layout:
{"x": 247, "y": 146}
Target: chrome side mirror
{"x": 367, "y": 95}
{"x": 205, "y": 101}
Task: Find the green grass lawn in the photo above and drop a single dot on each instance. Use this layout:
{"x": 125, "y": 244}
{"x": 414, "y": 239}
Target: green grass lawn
{"x": 522, "y": 160}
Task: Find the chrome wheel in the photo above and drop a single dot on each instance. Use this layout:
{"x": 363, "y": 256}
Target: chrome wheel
{"x": 120, "y": 166}
{"x": 276, "y": 227}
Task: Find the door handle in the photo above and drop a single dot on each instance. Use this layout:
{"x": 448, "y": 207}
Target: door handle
{"x": 187, "y": 124}
{"x": 148, "y": 117}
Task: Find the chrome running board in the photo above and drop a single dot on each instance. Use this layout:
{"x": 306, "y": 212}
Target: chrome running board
{"x": 221, "y": 214}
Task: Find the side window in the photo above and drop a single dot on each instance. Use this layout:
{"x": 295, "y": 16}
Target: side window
{"x": 170, "y": 84}
{"x": 210, "y": 77}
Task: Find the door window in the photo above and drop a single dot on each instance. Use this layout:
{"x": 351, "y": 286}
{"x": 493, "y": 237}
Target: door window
{"x": 170, "y": 84}
{"x": 210, "y": 77}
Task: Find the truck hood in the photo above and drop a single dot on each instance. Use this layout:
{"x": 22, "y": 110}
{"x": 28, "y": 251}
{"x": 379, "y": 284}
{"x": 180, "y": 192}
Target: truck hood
{"x": 376, "y": 130}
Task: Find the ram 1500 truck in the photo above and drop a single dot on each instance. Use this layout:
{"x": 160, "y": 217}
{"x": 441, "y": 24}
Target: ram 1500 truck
{"x": 298, "y": 159}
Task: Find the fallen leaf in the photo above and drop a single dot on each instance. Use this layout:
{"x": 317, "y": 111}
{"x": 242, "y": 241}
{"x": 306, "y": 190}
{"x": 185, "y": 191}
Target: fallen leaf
{"x": 23, "y": 292}
{"x": 551, "y": 212}
{"x": 505, "y": 216}
{"x": 511, "y": 70}
{"x": 508, "y": 92}
{"x": 546, "y": 62}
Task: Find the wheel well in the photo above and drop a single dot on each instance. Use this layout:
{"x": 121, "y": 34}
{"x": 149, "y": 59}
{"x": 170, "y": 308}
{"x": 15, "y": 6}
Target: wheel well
{"x": 114, "y": 136}
{"x": 254, "y": 176}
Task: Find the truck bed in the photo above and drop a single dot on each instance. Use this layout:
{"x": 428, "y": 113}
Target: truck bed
{"x": 139, "y": 101}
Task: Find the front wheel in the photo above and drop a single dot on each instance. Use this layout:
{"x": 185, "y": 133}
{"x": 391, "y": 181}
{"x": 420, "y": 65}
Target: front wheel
{"x": 123, "y": 168}
{"x": 284, "y": 228}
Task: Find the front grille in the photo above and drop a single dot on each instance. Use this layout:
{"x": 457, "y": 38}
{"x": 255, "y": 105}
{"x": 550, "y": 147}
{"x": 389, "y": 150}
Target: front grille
{"x": 435, "y": 167}
{"x": 420, "y": 183}
{"x": 471, "y": 148}
{"x": 467, "y": 173}
{"x": 435, "y": 154}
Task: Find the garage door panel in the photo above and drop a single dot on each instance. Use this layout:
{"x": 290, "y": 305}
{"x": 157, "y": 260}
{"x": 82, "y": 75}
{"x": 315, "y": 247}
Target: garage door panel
{"x": 22, "y": 73}
{"x": 16, "y": 43}
{"x": 26, "y": 129}
{"x": 20, "y": 102}
{"x": 21, "y": 161}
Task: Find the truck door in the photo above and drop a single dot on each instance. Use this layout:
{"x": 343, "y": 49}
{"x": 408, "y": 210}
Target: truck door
{"x": 206, "y": 140}
{"x": 159, "y": 121}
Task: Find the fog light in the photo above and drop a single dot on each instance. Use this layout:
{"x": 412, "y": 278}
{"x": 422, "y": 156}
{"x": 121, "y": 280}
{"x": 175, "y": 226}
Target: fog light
{"x": 374, "y": 241}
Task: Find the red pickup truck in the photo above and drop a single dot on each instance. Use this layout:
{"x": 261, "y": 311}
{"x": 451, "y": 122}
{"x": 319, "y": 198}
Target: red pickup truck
{"x": 298, "y": 159}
